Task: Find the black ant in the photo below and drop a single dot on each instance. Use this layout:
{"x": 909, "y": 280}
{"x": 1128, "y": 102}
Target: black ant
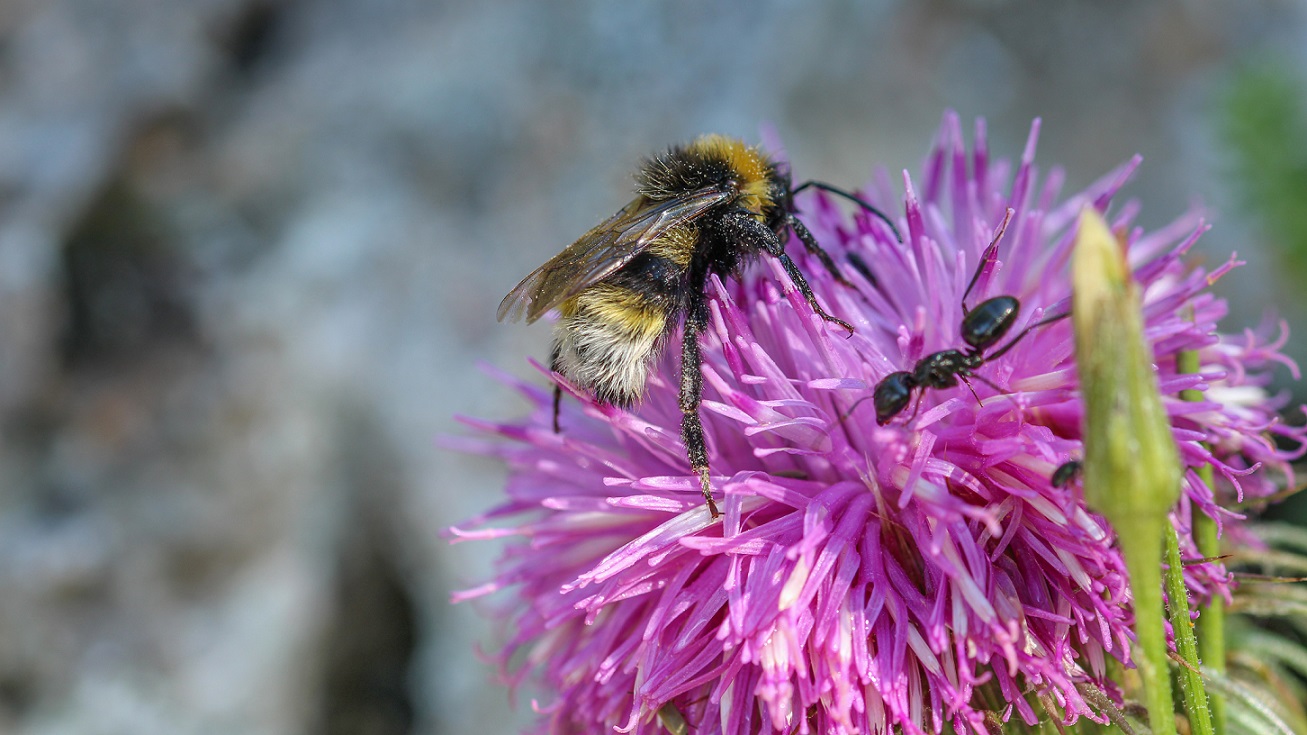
{"x": 982, "y": 328}
{"x": 1066, "y": 473}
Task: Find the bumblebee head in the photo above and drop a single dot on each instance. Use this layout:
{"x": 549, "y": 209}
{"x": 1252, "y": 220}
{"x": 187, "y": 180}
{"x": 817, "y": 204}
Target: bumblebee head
{"x": 780, "y": 195}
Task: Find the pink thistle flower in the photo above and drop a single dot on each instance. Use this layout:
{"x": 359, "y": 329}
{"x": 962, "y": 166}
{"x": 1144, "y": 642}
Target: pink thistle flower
{"x": 863, "y": 576}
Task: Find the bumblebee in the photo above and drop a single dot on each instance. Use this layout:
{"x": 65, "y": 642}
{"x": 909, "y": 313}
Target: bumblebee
{"x": 622, "y": 288}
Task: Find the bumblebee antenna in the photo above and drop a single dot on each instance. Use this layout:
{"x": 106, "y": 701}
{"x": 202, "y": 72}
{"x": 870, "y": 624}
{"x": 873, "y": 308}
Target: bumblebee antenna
{"x": 857, "y": 200}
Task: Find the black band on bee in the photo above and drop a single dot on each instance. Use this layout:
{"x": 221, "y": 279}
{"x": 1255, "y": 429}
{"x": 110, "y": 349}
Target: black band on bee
{"x": 669, "y": 174}
{"x": 654, "y": 280}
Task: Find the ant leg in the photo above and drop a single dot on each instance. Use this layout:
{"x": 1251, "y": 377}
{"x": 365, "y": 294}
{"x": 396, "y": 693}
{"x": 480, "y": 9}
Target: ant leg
{"x": 815, "y": 248}
{"x": 1024, "y": 332}
{"x": 984, "y": 380}
{"x": 854, "y": 407}
{"x": 967, "y": 382}
{"x": 916, "y": 407}
{"x": 696, "y": 319}
{"x": 986, "y": 257}
{"x": 1005, "y": 394}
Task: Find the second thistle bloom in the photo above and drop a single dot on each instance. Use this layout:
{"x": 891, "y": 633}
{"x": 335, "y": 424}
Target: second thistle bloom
{"x": 923, "y": 572}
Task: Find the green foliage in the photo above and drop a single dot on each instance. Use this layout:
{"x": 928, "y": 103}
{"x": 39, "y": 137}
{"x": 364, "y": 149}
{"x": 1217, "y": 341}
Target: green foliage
{"x": 1267, "y": 658}
{"x": 1264, "y": 125}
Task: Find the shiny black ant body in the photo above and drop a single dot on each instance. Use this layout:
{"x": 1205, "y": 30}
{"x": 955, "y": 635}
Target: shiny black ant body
{"x": 982, "y": 328}
{"x": 1066, "y": 473}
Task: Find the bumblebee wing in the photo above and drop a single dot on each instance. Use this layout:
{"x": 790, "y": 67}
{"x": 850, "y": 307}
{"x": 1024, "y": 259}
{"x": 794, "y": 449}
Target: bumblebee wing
{"x": 598, "y": 253}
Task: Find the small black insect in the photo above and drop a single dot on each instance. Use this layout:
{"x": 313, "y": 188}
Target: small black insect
{"x": 1066, "y": 473}
{"x": 860, "y": 265}
{"x": 982, "y": 328}
{"x": 701, "y": 209}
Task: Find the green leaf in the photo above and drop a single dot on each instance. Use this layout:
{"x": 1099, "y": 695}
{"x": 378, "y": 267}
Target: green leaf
{"x": 1270, "y": 647}
{"x": 1283, "y": 535}
{"x": 1250, "y": 711}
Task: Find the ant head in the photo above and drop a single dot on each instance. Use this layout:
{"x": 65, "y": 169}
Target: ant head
{"x": 989, "y": 321}
{"x": 892, "y": 395}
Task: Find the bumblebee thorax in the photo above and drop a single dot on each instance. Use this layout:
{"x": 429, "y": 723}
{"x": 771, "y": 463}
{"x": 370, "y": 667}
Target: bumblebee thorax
{"x": 711, "y": 160}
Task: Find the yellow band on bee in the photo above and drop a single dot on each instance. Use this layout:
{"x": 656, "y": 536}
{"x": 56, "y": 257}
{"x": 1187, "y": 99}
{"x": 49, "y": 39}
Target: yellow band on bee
{"x": 622, "y": 308}
{"x": 746, "y": 161}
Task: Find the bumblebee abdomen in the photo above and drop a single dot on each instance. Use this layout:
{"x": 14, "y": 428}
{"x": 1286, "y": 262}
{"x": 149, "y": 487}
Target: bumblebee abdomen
{"x": 610, "y": 332}
{"x": 606, "y": 339}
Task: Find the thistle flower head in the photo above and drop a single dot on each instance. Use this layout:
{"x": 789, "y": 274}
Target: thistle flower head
{"x": 866, "y": 576}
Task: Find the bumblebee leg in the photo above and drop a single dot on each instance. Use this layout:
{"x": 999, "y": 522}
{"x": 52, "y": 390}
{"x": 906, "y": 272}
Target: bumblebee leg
{"x": 804, "y": 288}
{"x": 692, "y": 393}
{"x": 558, "y": 389}
{"x": 815, "y": 248}
{"x": 740, "y": 226}
{"x": 558, "y": 399}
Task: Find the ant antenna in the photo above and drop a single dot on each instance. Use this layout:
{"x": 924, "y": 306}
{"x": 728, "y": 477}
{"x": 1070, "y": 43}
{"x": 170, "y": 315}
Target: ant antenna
{"x": 854, "y": 407}
{"x": 857, "y": 200}
{"x": 985, "y": 257}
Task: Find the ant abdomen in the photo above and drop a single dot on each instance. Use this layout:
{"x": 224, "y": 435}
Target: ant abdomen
{"x": 1065, "y": 473}
{"x": 986, "y": 324}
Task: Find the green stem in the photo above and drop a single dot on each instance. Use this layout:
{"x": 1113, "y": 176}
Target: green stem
{"x": 1132, "y": 470}
{"x": 1140, "y": 542}
{"x": 1191, "y": 681}
{"x": 1211, "y": 619}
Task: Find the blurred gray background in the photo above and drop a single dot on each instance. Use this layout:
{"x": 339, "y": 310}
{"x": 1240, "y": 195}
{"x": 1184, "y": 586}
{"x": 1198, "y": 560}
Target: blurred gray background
{"x": 251, "y": 250}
